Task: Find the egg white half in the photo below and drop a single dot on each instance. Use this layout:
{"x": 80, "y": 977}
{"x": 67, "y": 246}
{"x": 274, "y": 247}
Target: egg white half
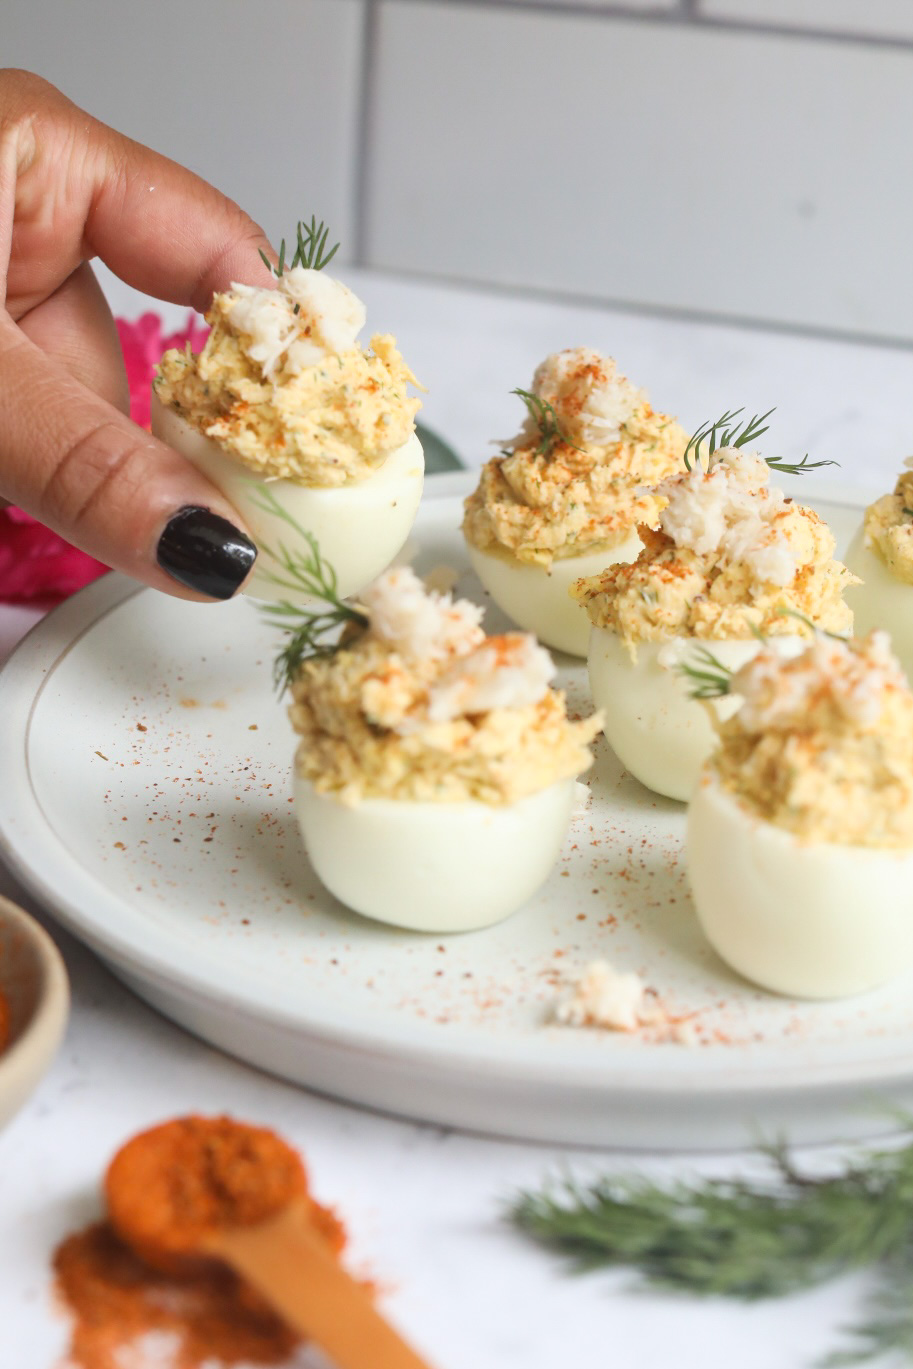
{"x": 658, "y": 732}
{"x": 807, "y": 919}
{"x": 538, "y": 599}
{"x": 434, "y": 867}
{"x": 881, "y": 601}
{"x": 359, "y": 528}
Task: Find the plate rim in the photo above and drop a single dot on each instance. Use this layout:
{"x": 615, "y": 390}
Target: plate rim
{"x": 23, "y": 679}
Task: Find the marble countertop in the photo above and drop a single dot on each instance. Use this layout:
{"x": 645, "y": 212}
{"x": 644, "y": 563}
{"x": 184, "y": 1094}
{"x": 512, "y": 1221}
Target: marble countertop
{"x": 424, "y": 1204}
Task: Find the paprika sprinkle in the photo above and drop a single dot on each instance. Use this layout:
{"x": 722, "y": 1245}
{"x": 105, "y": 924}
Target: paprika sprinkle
{"x": 173, "y": 1310}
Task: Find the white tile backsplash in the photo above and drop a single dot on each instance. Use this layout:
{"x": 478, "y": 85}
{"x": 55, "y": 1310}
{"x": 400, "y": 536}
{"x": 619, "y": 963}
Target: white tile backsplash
{"x": 263, "y": 100}
{"x": 864, "y": 18}
{"x": 679, "y": 166}
{"x": 673, "y": 154}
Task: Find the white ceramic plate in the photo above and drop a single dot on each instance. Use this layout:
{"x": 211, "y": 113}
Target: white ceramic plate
{"x": 146, "y": 799}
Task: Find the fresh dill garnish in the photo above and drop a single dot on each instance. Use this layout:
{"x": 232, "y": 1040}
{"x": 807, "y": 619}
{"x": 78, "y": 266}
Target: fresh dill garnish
{"x": 888, "y": 1328}
{"x": 707, "y": 674}
{"x": 776, "y": 463}
{"x": 306, "y": 627}
{"x": 784, "y": 612}
{"x": 310, "y": 250}
{"x": 750, "y": 1240}
{"x": 908, "y": 512}
{"x": 725, "y": 432}
{"x": 546, "y": 421}
{"x": 711, "y": 679}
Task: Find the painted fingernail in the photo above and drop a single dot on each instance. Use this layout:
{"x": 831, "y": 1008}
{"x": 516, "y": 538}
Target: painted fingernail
{"x": 205, "y": 552}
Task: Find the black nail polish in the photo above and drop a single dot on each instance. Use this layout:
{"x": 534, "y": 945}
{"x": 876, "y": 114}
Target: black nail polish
{"x": 205, "y": 552}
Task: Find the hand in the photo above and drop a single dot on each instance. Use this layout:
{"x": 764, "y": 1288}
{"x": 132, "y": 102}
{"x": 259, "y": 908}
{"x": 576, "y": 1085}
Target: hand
{"x": 72, "y": 189}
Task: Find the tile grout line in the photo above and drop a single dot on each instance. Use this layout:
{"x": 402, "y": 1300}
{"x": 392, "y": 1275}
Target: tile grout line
{"x": 687, "y": 14}
{"x": 364, "y": 141}
{"x": 804, "y": 32}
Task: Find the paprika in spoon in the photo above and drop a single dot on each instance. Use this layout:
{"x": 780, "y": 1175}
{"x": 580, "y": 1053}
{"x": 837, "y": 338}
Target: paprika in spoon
{"x": 197, "y": 1190}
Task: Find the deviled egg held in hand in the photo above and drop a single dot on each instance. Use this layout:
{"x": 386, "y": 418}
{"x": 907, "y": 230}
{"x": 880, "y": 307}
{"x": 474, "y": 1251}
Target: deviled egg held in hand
{"x": 435, "y": 776}
{"x": 800, "y": 833}
{"x": 732, "y": 561}
{"x": 282, "y": 395}
{"x": 566, "y": 499}
{"x": 881, "y": 553}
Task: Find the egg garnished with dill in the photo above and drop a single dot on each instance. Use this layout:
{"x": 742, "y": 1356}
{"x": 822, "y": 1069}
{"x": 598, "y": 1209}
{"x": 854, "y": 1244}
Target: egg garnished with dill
{"x": 732, "y": 562}
{"x": 800, "y": 831}
{"x": 283, "y": 398}
{"x": 565, "y": 497}
{"x": 881, "y": 554}
{"x": 435, "y": 771}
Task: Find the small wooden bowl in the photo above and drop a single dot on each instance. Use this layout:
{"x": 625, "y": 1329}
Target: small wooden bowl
{"x": 33, "y": 981}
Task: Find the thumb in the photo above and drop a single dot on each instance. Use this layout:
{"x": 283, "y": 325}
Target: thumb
{"x": 76, "y": 463}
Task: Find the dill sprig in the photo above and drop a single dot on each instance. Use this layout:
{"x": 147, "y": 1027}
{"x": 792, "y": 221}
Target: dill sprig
{"x": 888, "y": 1327}
{"x": 908, "y": 512}
{"x": 750, "y": 1240}
{"x": 309, "y": 251}
{"x": 310, "y": 631}
{"x": 546, "y": 420}
{"x": 776, "y": 463}
{"x": 711, "y": 679}
{"x": 726, "y": 432}
{"x": 707, "y": 674}
{"x": 784, "y": 612}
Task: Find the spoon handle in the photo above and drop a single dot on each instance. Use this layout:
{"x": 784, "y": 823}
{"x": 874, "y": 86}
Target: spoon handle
{"x": 289, "y": 1263}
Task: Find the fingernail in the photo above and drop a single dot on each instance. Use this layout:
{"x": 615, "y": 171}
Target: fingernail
{"x": 205, "y": 552}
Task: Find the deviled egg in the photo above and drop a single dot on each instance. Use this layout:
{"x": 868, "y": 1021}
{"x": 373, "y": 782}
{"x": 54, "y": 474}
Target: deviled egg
{"x": 564, "y": 500}
{"x": 732, "y": 561}
{"x": 800, "y": 832}
{"x": 881, "y": 554}
{"x": 283, "y": 398}
{"x": 435, "y": 776}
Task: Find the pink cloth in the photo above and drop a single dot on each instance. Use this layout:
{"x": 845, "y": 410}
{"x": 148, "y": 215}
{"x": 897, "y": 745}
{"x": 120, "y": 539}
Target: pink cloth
{"x": 35, "y": 564}
{"x": 142, "y": 345}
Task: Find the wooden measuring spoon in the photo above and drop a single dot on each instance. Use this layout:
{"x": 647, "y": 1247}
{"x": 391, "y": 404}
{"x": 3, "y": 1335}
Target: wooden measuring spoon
{"x": 201, "y": 1189}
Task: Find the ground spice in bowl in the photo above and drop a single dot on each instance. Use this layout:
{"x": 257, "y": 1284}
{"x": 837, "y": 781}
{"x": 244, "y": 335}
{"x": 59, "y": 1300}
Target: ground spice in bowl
{"x": 189, "y": 1314}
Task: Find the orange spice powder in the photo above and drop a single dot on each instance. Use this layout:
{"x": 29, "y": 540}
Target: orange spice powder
{"x": 202, "y": 1315}
{"x": 4, "y": 1023}
{"x": 171, "y": 1185}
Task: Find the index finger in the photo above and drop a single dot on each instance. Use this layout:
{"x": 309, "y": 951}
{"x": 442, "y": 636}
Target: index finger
{"x": 158, "y": 226}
